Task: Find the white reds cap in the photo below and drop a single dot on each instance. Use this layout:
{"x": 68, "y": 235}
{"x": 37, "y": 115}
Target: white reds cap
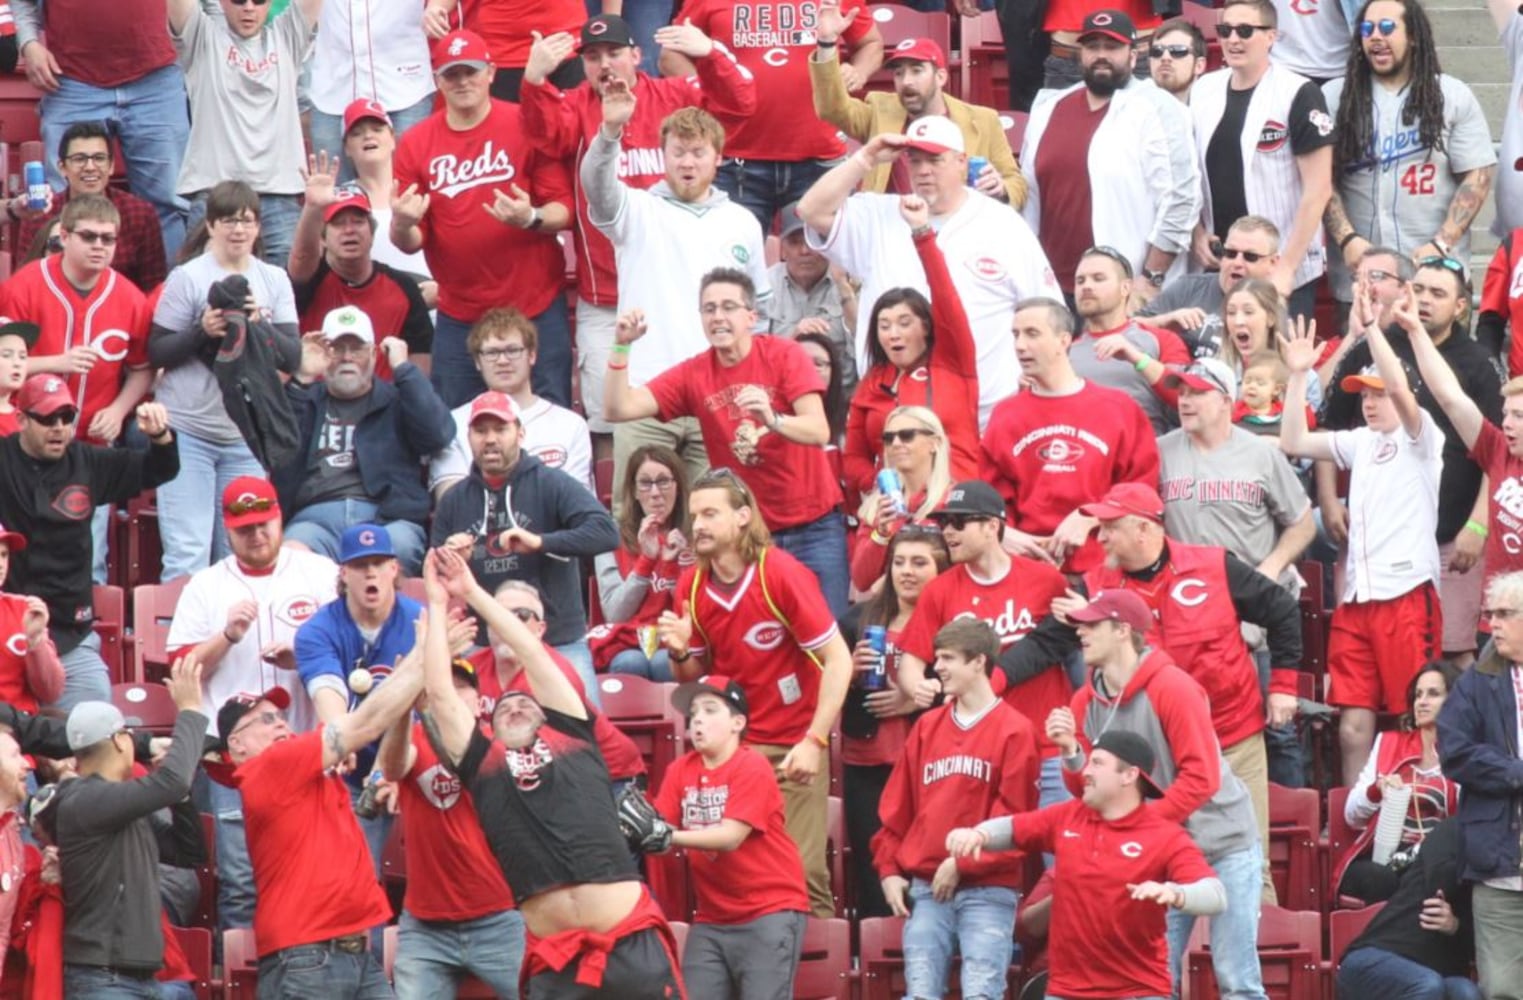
{"x": 347, "y": 321}
{"x": 935, "y": 134}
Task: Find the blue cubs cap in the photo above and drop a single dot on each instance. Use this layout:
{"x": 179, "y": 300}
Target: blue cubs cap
{"x": 363, "y": 541}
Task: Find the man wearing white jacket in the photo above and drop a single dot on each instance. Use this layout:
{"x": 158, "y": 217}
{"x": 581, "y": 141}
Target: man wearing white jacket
{"x": 1112, "y": 162}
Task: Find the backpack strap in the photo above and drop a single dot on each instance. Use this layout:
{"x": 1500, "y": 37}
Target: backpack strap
{"x": 761, "y": 574}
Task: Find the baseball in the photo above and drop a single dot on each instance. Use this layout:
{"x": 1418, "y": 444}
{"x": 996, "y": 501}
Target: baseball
{"x": 360, "y": 680}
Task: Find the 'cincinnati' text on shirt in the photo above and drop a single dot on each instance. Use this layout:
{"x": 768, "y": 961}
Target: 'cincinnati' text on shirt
{"x": 1213, "y": 490}
{"x": 1064, "y": 430}
{"x": 959, "y": 765}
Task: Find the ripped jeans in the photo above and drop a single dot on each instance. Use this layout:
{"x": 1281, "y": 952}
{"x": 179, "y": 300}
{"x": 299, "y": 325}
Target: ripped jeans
{"x": 978, "y": 923}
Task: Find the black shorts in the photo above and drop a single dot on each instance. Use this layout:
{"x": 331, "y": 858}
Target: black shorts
{"x": 639, "y": 968}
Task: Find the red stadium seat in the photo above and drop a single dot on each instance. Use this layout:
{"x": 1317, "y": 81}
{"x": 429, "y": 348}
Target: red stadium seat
{"x": 1343, "y": 926}
{"x": 838, "y": 858}
{"x": 824, "y": 961}
{"x": 196, "y": 943}
{"x": 110, "y": 606}
{"x": 206, "y": 875}
{"x": 985, "y": 74}
{"x": 881, "y": 949}
{"x": 1014, "y": 124}
{"x": 136, "y": 552}
{"x": 1295, "y": 827}
{"x": 1290, "y": 955}
{"x": 1204, "y": 17}
{"x": 642, "y": 710}
{"x": 1340, "y": 836}
{"x": 602, "y": 478}
{"x": 150, "y": 704}
{"x": 153, "y": 608}
{"x": 897, "y": 24}
{"x": 240, "y": 963}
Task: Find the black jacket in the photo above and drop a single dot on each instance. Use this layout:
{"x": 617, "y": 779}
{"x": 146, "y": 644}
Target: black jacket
{"x": 1478, "y": 747}
{"x": 247, "y": 363}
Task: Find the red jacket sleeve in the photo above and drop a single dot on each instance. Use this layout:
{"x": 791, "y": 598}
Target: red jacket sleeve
{"x": 954, "y": 348}
{"x": 548, "y": 116}
{"x": 859, "y": 459}
{"x": 1017, "y": 794}
{"x": 896, "y": 808}
{"x": 728, "y": 87}
{"x": 1185, "y": 716}
{"x": 867, "y": 559}
{"x": 552, "y": 182}
{"x": 1079, "y": 705}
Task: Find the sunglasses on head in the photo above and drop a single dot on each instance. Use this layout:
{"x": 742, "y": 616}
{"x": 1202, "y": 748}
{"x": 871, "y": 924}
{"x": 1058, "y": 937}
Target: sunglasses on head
{"x": 1233, "y": 253}
{"x": 1172, "y": 51}
{"x": 1113, "y": 254}
{"x": 238, "y": 508}
{"x": 1243, "y": 31}
{"x": 721, "y": 477}
{"x": 905, "y": 436}
{"x": 1386, "y": 26}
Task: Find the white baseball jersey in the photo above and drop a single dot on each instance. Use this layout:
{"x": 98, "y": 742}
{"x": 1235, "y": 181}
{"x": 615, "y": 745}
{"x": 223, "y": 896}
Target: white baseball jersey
{"x": 1314, "y": 37}
{"x": 553, "y": 434}
{"x": 370, "y": 48}
{"x": 1509, "y": 181}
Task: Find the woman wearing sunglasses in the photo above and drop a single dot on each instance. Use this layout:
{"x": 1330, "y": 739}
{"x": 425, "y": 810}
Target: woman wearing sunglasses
{"x": 910, "y": 366}
{"x": 914, "y": 447}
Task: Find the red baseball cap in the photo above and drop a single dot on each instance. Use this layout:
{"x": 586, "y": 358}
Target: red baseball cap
{"x": 350, "y": 196}
{"x": 461, "y": 48}
{"x": 249, "y": 500}
{"x": 495, "y": 404}
{"x": 918, "y": 50}
{"x": 44, "y": 395}
{"x": 15, "y": 539}
{"x": 365, "y": 109}
{"x": 1117, "y": 605}
{"x": 1127, "y": 499}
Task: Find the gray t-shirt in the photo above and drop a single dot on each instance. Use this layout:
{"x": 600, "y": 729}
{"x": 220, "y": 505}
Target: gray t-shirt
{"x": 189, "y": 390}
{"x": 245, "y": 123}
{"x": 1239, "y": 496}
{"x": 1509, "y": 184}
{"x": 333, "y": 472}
{"x": 1118, "y": 373}
{"x": 1193, "y": 291}
{"x": 1399, "y": 194}
{"x": 790, "y": 303}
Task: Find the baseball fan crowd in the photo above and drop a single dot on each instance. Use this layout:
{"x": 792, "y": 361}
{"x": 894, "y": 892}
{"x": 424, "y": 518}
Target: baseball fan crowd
{"x": 482, "y": 362}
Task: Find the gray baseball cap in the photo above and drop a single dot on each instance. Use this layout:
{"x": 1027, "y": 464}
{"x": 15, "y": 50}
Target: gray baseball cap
{"x": 93, "y": 721}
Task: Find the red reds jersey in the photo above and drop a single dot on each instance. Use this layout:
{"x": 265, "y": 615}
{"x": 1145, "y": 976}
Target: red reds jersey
{"x": 1012, "y": 605}
{"x": 1502, "y": 296}
{"x": 481, "y": 263}
{"x": 762, "y": 629}
{"x": 773, "y": 39}
{"x": 764, "y": 874}
{"x": 1047, "y": 455}
{"x": 14, "y": 689}
{"x": 112, "y": 320}
{"x": 562, "y": 123}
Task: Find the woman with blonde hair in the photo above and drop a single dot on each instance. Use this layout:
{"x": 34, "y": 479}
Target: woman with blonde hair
{"x": 1253, "y": 320}
{"x": 915, "y": 447}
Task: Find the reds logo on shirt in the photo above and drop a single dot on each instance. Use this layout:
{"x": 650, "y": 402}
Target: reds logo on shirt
{"x": 1131, "y": 849}
{"x": 439, "y": 787}
{"x": 1061, "y": 451}
{"x": 766, "y": 25}
{"x": 987, "y": 269}
{"x": 526, "y": 764}
{"x": 1189, "y": 592}
{"x": 17, "y": 644}
{"x": 553, "y": 456}
{"x": 449, "y": 175}
{"x": 765, "y": 635}
{"x": 73, "y": 502}
{"x": 1272, "y": 136}
{"x": 1009, "y": 623}
{"x": 102, "y": 345}
{"x": 1385, "y": 452}
{"x": 297, "y": 610}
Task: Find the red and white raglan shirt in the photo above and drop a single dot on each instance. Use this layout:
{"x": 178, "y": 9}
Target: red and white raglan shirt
{"x": 562, "y": 123}
{"x": 1504, "y": 476}
{"x": 29, "y": 674}
{"x": 313, "y": 877}
{"x": 793, "y": 483}
{"x": 390, "y": 297}
{"x": 660, "y": 575}
{"x": 112, "y": 320}
{"x": 765, "y": 874}
{"x": 481, "y": 263}
{"x": 956, "y": 771}
{"x": 1102, "y": 943}
{"x": 1049, "y": 455}
{"x": 774, "y": 39}
{"x": 1013, "y": 606}
{"x": 451, "y": 873}
{"x": 770, "y": 658}
{"x": 619, "y": 751}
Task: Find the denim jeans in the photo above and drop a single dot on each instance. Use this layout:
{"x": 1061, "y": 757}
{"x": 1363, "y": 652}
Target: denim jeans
{"x": 457, "y": 381}
{"x": 150, "y": 117}
{"x": 1281, "y": 743}
{"x": 1234, "y": 931}
{"x": 304, "y": 971}
{"x": 1051, "y": 790}
{"x": 634, "y": 661}
{"x": 235, "y": 872}
{"x": 190, "y": 516}
{"x": 821, "y": 545}
{"x": 979, "y": 923}
{"x": 85, "y": 677}
{"x": 551, "y": 377}
{"x": 177, "y": 989}
{"x": 581, "y": 658}
{"x": 431, "y": 955}
{"x": 764, "y": 187}
{"x": 100, "y": 543}
{"x": 278, "y": 215}
{"x": 328, "y": 132}
{"x": 90, "y": 982}
{"x": 319, "y": 527}
{"x": 1374, "y": 972}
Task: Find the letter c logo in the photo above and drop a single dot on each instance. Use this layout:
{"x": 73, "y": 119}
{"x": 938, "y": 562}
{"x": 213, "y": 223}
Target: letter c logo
{"x": 775, "y": 57}
{"x": 1189, "y": 592}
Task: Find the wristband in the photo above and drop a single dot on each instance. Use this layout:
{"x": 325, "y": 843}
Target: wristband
{"x": 230, "y": 640}
{"x": 1348, "y": 238}
{"x": 1443, "y": 248}
{"x": 1477, "y": 527}
{"x": 822, "y": 741}
{"x": 824, "y": 44}
{"x": 878, "y": 539}
{"x": 619, "y": 349}
{"x": 687, "y": 654}
{"x": 1142, "y": 363}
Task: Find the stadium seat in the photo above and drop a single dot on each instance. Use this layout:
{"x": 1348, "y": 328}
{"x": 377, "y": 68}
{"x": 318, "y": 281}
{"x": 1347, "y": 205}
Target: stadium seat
{"x": 602, "y": 478}
{"x": 1290, "y": 955}
{"x": 150, "y": 704}
{"x": 985, "y": 75}
{"x": 642, "y": 710}
{"x": 153, "y": 608}
{"x": 1204, "y": 17}
{"x": 466, "y": 988}
{"x": 110, "y": 607}
{"x": 136, "y": 552}
{"x": 1345, "y": 925}
{"x": 838, "y": 858}
{"x": 206, "y": 875}
{"x": 196, "y": 943}
{"x": 240, "y": 963}
{"x": 824, "y": 961}
{"x": 1339, "y": 837}
{"x": 897, "y": 24}
{"x": 1014, "y": 124}
{"x": 881, "y": 949}
{"x": 1295, "y": 827}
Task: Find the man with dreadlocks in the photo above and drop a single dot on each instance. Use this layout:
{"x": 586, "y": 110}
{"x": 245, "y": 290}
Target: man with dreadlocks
{"x": 1413, "y": 161}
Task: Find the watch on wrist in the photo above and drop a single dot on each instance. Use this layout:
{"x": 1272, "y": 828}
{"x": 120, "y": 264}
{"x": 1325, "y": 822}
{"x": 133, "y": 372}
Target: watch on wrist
{"x": 1154, "y": 278}
{"x": 535, "y": 219}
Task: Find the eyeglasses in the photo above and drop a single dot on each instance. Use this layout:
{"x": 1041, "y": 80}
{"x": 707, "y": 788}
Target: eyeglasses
{"x": 1375, "y": 274}
{"x": 498, "y": 353}
{"x": 659, "y": 485}
{"x": 238, "y": 508}
{"x": 1243, "y": 31}
{"x": 237, "y": 221}
{"x": 55, "y": 244}
{"x": 1233, "y": 253}
{"x": 526, "y": 615}
{"x": 245, "y": 3}
{"x": 57, "y": 418}
{"x": 1173, "y": 51}
{"x": 87, "y": 159}
{"x": 905, "y": 436}
{"x": 1500, "y": 614}
{"x": 250, "y": 721}
{"x": 1386, "y": 26}
{"x": 958, "y": 522}
{"x": 91, "y": 237}
{"x": 1113, "y": 254}
{"x": 350, "y": 350}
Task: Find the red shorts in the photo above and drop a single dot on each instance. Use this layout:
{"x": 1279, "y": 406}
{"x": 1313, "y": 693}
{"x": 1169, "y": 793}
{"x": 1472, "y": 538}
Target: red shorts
{"x": 1377, "y": 646}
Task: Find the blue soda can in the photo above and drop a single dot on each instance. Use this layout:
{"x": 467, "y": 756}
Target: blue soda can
{"x": 891, "y": 486}
{"x": 976, "y": 165}
{"x": 36, "y": 185}
{"x": 876, "y": 679}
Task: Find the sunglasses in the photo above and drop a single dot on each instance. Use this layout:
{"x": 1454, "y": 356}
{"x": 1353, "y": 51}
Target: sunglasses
{"x": 262, "y": 719}
{"x": 1172, "y": 51}
{"x": 905, "y": 436}
{"x": 91, "y": 237}
{"x": 1233, "y": 253}
{"x": 57, "y": 418}
{"x": 1447, "y": 263}
{"x": 1113, "y": 254}
{"x": 238, "y": 508}
{"x": 1386, "y": 26}
{"x": 526, "y": 615}
{"x": 246, "y": 3}
{"x": 1243, "y": 31}
{"x": 958, "y": 522}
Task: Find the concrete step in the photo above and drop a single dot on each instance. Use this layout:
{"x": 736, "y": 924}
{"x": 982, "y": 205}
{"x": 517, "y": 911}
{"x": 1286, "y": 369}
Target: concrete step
{"x": 1475, "y": 63}
{"x": 1462, "y": 26}
{"x": 1493, "y": 98}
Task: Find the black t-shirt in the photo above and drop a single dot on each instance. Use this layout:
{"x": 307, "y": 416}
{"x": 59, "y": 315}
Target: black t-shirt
{"x": 1396, "y": 929}
{"x": 547, "y": 810}
{"x": 1309, "y": 128}
{"x": 1478, "y": 375}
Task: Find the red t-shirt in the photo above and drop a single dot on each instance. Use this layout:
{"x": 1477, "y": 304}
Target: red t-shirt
{"x": 451, "y": 873}
{"x": 313, "y": 876}
{"x": 793, "y": 483}
{"x": 620, "y": 754}
{"x": 1068, "y": 15}
{"x": 1062, "y": 170}
{"x": 774, "y": 39}
{"x": 506, "y": 25}
{"x": 1504, "y": 474}
{"x": 1013, "y": 606}
{"x": 8, "y": 424}
{"x": 1048, "y": 455}
{"x": 769, "y": 658}
{"x": 764, "y": 874}
{"x": 481, "y": 263}
{"x": 13, "y": 647}
{"x": 1102, "y": 943}
{"x": 113, "y": 319}
{"x": 108, "y": 44}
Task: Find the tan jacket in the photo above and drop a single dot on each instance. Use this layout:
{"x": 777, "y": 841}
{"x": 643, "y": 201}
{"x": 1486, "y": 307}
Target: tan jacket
{"x": 878, "y": 112}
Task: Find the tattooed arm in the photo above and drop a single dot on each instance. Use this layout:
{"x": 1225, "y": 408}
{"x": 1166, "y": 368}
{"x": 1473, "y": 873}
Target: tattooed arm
{"x": 1463, "y": 208}
{"x": 350, "y": 732}
{"x": 1340, "y": 228}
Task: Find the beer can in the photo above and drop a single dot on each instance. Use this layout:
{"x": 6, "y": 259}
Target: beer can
{"x": 36, "y": 185}
{"x": 876, "y": 679}
{"x": 891, "y": 486}
{"x": 976, "y": 165}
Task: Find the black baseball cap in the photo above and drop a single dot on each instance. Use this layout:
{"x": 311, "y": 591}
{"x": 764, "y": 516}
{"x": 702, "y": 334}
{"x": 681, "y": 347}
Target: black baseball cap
{"x": 974, "y": 497}
{"x": 1111, "y": 24}
{"x": 725, "y": 688}
{"x": 606, "y": 29}
{"x": 235, "y": 708}
{"x": 1133, "y": 750}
